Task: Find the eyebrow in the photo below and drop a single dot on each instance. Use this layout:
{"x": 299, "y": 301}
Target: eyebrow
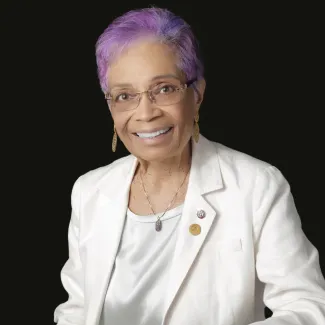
{"x": 173, "y": 76}
{"x": 162, "y": 76}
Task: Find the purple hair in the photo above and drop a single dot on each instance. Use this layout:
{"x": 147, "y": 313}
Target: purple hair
{"x": 158, "y": 23}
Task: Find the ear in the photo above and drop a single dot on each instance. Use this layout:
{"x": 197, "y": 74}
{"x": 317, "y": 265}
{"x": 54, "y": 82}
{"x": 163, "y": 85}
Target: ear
{"x": 109, "y": 107}
{"x": 199, "y": 89}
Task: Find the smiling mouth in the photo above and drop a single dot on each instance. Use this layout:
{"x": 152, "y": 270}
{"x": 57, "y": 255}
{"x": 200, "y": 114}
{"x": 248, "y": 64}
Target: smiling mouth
{"x": 151, "y": 135}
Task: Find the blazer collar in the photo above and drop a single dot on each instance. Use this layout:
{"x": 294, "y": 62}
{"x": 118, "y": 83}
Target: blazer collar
{"x": 205, "y": 172}
{"x": 116, "y": 183}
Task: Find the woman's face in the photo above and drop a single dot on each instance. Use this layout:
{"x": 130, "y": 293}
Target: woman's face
{"x": 151, "y": 65}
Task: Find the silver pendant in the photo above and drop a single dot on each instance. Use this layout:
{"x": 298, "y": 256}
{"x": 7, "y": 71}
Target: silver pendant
{"x": 158, "y": 225}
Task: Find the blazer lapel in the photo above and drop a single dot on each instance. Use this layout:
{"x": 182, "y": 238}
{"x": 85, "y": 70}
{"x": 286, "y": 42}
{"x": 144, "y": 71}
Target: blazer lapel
{"x": 110, "y": 206}
{"x": 205, "y": 177}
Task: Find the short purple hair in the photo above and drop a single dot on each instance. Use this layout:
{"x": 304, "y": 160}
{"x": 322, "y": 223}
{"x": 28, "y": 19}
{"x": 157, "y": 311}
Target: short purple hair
{"x": 158, "y": 23}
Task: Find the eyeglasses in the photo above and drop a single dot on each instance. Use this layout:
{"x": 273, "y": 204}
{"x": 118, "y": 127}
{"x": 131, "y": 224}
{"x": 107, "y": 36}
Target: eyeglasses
{"x": 163, "y": 94}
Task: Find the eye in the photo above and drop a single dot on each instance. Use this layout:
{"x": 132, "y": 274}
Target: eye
{"x": 166, "y": 89}
{"x": 123, "y": 97}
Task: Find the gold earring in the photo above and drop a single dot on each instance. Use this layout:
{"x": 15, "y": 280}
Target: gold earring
{"x": 196, "y": 131}
{"x": 114, "y": 142}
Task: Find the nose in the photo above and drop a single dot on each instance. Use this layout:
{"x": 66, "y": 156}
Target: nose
{"x": 146, "y": 110}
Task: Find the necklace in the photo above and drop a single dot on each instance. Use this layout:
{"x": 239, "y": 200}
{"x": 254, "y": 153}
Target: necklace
{"x": 158, "y": 224}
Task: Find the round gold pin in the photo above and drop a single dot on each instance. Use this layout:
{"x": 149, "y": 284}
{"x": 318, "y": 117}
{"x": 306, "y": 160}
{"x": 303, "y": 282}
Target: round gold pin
{"x": 195, "y": 229}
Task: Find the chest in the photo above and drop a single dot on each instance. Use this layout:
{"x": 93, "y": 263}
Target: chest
{"x": 157, "y": 202}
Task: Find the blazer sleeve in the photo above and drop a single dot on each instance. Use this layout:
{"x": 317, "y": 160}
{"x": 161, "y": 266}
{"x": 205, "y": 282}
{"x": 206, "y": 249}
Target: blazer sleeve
{"x": 286, "y": 261}
{"x": 71, "y": 312}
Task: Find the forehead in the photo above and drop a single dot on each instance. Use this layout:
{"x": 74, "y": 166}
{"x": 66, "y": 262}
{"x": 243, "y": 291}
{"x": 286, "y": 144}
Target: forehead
{"x": 143, "y": 62}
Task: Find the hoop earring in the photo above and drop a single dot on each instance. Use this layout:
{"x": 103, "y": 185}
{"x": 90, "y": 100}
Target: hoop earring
{"x": 196, "y": 131}
{"x": 114, "y": 142}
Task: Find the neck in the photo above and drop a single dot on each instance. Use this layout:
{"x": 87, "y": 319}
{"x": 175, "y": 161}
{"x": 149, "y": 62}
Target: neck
{"x": 159, "y": 172}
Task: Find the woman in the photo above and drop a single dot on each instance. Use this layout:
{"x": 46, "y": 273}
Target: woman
{"x": 183, "y": 230}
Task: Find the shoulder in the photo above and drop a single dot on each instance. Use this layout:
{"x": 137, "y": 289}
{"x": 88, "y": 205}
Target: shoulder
{"x": 228, "y": 157}
{"x": 239, "y": 159}
{"x": 244, "y": 173}
{"x": 241, "y": 167}
{"x": 94, "y": 178}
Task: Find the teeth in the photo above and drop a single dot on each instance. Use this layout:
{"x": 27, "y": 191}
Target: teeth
{"x": 153, "y": 134}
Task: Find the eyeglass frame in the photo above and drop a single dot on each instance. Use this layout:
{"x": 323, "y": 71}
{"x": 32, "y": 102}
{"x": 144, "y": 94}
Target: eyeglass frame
{"x": 182, "y": 87}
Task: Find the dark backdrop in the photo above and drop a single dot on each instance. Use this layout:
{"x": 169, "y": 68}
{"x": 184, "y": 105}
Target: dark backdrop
{"x": 263, "y": 97}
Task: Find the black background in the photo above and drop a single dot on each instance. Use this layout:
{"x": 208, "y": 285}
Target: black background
{"x": 264, "y": 96}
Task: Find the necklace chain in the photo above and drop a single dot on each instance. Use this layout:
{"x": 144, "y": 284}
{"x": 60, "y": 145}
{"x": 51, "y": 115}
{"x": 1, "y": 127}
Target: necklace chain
{"x": 158, "y": 222}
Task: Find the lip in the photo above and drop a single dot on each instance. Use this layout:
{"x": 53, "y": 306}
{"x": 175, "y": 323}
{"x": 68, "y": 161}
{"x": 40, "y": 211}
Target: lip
{"x": 153, "y": 130}
{"x": 160, "y": 140}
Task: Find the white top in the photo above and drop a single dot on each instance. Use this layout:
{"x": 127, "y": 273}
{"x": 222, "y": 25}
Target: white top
{"x": 137, "y": 288}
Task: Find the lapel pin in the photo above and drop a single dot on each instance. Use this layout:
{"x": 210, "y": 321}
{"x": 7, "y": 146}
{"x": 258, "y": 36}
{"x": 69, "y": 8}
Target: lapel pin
{"x": 201, "y": 214}
{"x": 195, "y": 229}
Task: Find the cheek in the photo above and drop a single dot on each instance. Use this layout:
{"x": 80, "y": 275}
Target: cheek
{"x": 184, "y": 115}
{"x": 121, "y": 121}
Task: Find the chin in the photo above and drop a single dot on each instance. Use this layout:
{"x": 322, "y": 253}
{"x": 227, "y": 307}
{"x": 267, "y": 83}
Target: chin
{"x": 156, "y": 154}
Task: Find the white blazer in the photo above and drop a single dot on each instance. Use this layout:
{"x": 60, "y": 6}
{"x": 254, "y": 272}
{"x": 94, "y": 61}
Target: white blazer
{"x": 251, "y": 250}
